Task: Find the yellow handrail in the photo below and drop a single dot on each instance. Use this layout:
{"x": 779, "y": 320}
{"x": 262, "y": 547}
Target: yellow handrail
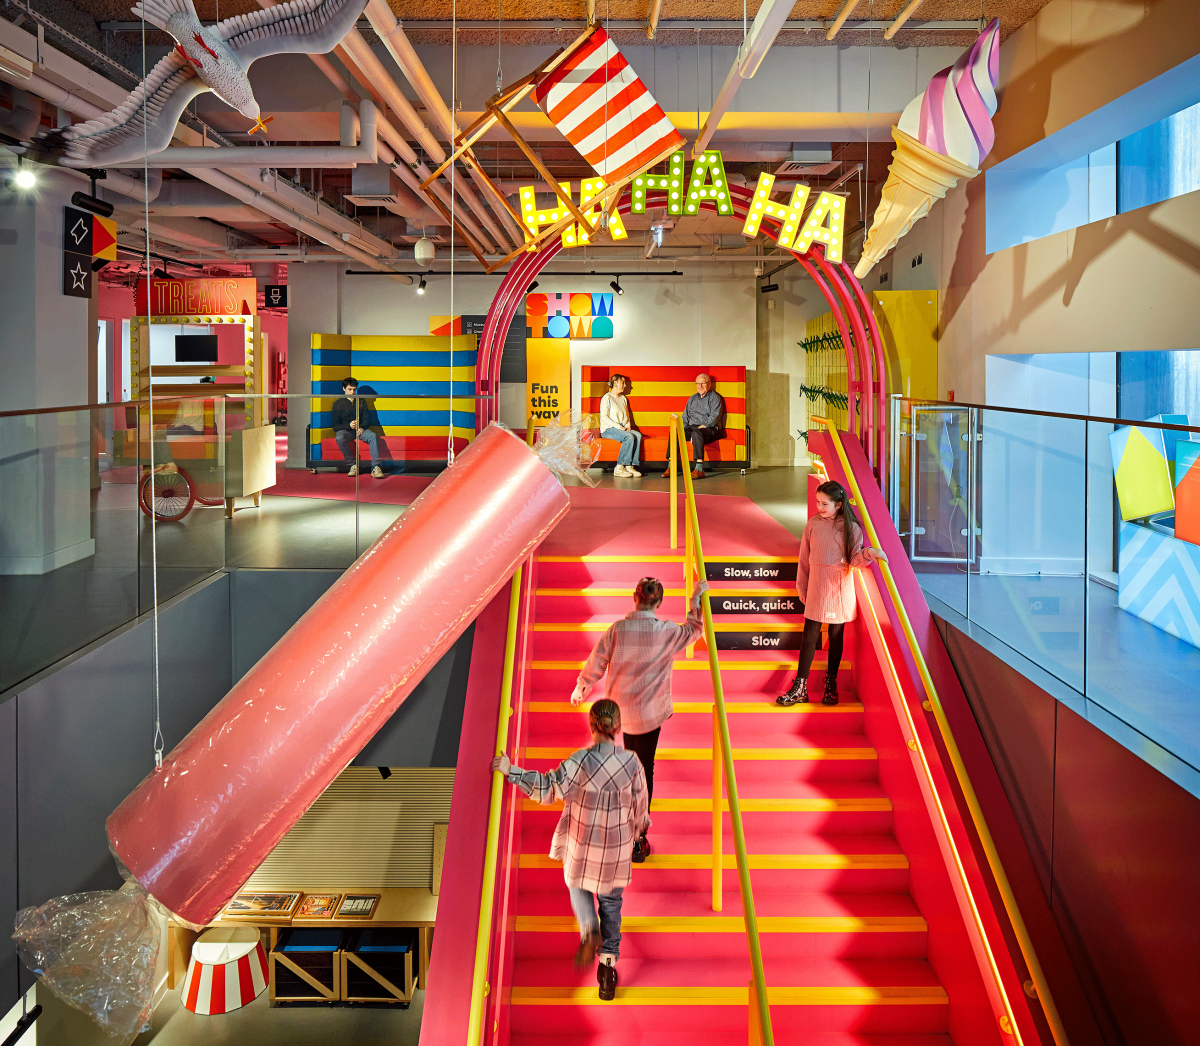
{"x": 483, "y": 939}
{"x": 722, "y": 741}
{"x": 985, "y": 836}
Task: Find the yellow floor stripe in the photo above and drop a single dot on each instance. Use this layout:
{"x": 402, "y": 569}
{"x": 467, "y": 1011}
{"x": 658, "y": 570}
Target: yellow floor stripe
{"x": 758, "y": 862}
{"x": 812, "y": 804}
{"x": 744, "y": 754}
{"x": 734, "y": 924}
{"x": 702, "y": 665}
{"x": 705, "y": 707}
{"x": 701, "y": 995}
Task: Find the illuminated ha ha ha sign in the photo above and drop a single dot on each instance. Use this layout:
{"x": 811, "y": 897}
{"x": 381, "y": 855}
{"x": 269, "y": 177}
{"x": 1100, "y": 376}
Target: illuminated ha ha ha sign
{"x": 825, "y": 223}
{"x": 574, "y": 235}
{"x": 707, "y": 184}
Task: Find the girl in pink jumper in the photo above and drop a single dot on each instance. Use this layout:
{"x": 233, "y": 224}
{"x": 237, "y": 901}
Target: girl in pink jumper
{"x": 831, "y": 547}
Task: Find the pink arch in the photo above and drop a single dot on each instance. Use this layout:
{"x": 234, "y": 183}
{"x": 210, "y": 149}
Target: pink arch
{"x": 846, "y": 298}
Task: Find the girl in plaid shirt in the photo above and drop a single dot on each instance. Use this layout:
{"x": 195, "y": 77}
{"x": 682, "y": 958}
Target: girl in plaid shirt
{"x": 638, "y": 653}
{"x": 605, "y": 808}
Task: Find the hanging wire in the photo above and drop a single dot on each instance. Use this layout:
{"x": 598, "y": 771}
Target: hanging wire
{"x": 499, "y": 38}
{"x": 453, "y": 189}
{"x": 159, "y": 742}
{"x": 867, "y": 164}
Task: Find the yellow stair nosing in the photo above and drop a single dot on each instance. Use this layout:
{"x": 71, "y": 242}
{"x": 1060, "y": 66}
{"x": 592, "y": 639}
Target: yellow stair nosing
{"x": 757, "y": 862}
{"x": 722, "y": 995}
{"x": 702, "y": 664}
{"x": 735, "y": 924}
{"x": 663, "y": 804}
{"x": 743, "y": 754}
{"x": 706, "y": 707}
{"x": 672, "y": 557}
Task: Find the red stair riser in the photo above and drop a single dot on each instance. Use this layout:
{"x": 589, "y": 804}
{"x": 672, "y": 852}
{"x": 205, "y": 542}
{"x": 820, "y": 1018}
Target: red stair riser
{"x": 779, "y": 946}
{"x": 831, "y": 821}
{"x": 799, "y": 880}
{"x": 556, "y": 684}
{"x": 728, "y": 1021}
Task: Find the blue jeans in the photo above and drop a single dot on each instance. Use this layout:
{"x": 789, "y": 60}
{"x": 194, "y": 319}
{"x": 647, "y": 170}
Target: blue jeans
{"x": 583, "y": 902}
{"x": 345, "y": 439}
{"x": 631, "y": 444}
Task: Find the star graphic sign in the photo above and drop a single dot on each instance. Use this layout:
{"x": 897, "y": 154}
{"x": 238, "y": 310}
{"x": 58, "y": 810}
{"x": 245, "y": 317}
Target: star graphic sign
{"x": 78, "y": 276}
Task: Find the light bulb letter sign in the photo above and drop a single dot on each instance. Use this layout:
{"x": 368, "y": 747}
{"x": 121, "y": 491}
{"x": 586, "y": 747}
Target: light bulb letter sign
{"x": 708, "y": 183}
{"x": 825, "y": 223}
{"x": 574, "y": 235}
{"x": 534, "y": 217}
{"x": 671, "y": 183}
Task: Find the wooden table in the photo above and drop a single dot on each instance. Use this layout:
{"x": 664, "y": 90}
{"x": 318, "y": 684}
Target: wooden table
{"x": 396, "y": 908}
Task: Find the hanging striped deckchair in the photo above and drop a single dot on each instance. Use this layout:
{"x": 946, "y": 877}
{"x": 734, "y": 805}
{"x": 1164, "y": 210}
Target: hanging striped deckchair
{"x": 599, "y": 104}
{"x": 603, "y": 109}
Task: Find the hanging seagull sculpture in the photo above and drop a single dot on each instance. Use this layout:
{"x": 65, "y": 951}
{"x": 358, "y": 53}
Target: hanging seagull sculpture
{"x": 206, "y": 58}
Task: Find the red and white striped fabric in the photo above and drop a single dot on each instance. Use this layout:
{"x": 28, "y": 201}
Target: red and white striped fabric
{"x": 227, "y": 970}
{"x": 603, "y": 109}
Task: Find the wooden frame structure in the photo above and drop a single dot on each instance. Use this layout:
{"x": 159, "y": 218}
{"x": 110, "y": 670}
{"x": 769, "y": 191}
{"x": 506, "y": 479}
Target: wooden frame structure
{"x": 496, "y": 113}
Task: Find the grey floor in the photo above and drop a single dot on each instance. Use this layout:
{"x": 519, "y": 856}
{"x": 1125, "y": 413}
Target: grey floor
{"x": 291, "y": 1024}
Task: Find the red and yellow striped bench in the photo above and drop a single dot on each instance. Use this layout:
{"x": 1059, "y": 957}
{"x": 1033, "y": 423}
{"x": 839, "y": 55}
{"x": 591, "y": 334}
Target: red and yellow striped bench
{"x": 658, "y": 392}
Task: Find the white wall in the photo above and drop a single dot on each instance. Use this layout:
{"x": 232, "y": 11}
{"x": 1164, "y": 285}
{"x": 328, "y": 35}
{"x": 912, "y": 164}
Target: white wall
{"x": 703, "y": 319}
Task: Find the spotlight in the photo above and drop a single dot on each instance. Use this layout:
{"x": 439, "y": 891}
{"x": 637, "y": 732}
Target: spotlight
{"x": 92, "y": 203}
{"x": 532, "y": 287}
{"x": 421, "y": 286}
{"x": 384, "y": 771}
{"x": 161, "y": 274}
{"x": 24, "y": 179}
{"x": 616, "y": 285}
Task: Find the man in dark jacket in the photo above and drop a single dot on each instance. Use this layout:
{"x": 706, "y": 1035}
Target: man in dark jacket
{"x": 354, "y": 419}
{"x": 703, "y": 422}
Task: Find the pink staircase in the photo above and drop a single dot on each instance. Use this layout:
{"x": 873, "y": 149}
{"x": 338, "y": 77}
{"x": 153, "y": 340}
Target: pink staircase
{"x": 846, "y": 948}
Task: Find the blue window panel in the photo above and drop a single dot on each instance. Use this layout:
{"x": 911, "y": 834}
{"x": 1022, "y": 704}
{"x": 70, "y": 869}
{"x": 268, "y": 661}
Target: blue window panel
{"x": 1159, "y": 162}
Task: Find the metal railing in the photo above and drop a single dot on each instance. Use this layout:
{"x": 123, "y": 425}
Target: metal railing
{"x": 723, "y": 772}
{"x": 487, "y": 894}
{"x": 934, "y": 704}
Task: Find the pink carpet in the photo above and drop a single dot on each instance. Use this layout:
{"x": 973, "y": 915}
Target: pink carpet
{"x": 337, "y": 486}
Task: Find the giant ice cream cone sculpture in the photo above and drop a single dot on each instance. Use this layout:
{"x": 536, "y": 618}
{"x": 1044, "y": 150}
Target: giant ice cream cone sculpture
{"x": 943, "y": 135}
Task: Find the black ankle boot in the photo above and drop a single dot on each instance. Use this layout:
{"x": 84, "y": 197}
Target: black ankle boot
{"x": 607, "y": 977}
{"x": 831, "y": 691}
{"x": 797, "y": 693}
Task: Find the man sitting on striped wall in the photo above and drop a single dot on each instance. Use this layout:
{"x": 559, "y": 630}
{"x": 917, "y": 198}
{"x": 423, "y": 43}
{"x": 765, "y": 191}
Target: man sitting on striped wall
{"x": 355, "y": 419}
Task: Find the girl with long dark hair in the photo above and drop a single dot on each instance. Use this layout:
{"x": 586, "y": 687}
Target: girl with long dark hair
{"x": 831, "y": 547}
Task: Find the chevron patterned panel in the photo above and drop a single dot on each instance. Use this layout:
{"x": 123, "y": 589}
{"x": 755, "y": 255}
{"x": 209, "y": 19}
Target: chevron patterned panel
{"x": 1159, "y": 581}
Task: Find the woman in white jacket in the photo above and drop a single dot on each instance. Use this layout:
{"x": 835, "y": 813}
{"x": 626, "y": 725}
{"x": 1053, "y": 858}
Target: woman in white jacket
{"x": 617, "y": 424}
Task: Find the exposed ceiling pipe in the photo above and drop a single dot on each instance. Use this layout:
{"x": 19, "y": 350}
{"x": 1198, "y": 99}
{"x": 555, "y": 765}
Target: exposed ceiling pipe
{"x": 136, "y": 189}
{"x": 279, "y": 156}
{"x": 900, "y": 19}
{"x": 26, "y": 115}
{"x": 391, "y": 32}
{"x": 404, "y": 161}
{"x": 372, "y": 71}
{"x": 652, "y": 20}
{"x": 840, "y": 20}
{"x": 275, "y": 210}
{"x": 361, "y": 59}
{"x": 767, "y": 23}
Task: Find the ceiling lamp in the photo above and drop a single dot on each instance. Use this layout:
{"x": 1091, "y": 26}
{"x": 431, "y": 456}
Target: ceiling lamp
{"x": 616, "y": 285}
{"x": 421, "y": 285}
{"x": 424, "y": 251}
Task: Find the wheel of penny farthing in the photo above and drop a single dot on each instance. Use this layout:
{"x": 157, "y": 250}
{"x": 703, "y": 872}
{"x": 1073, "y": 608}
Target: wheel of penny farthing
{"x": 167, "y": 493}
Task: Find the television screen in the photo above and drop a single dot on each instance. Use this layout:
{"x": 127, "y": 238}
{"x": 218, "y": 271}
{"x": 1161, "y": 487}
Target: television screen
{"x": 195, "y": 348}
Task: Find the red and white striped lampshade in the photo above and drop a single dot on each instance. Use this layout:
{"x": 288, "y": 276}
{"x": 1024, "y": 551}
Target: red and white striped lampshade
{"x": 603, "y": 109}
{"x": 227, "y": 970}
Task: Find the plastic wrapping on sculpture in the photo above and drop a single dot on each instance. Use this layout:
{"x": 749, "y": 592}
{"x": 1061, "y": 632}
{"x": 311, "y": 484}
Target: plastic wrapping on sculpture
{"x": 194, "y": 831}
{"x": 569, "y": 446}
{"x": 97, "y": 952}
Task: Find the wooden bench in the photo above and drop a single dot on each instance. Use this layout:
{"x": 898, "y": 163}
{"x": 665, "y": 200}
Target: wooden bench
{"x": 658, "y": 392}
